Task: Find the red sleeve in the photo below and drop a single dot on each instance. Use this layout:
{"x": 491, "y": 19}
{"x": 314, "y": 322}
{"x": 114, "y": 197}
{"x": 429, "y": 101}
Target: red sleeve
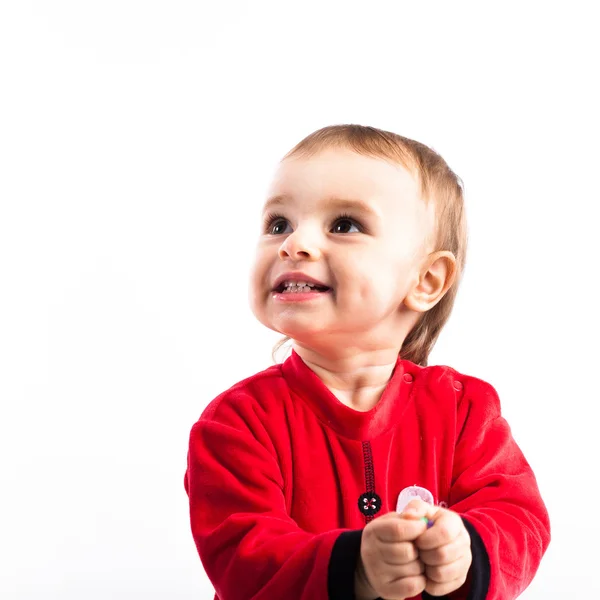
{"x": 248, "y": 544}
{"x": 495, "y": 492}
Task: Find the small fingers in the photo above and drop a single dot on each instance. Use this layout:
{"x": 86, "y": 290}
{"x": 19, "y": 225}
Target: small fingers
{"x": 404, "y": 587}
{"x": 416, "y": 567}
{"x": 447, "y": 527}
{"x": 399, "y": 553}
{"x": 417, "y": 509}
{"x": 441, "y": 589}
{"x": 396, "y": 529}
{"x": 446, "y": 554}
{"x": 453, "y": 571}
{"x": 411, "y": 569}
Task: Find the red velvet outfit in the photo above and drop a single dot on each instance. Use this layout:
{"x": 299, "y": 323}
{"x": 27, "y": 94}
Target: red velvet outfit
{"x": 282, "y": 478}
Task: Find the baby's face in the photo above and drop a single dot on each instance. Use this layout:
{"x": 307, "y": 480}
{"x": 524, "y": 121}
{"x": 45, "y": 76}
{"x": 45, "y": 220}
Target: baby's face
{"x": 356, "y": 226}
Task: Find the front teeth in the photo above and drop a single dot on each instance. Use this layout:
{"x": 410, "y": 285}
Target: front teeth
{"x": 297, "y": 286}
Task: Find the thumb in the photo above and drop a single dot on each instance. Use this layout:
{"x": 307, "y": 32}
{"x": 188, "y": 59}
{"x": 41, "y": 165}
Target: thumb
{"x": 418, "y": 509}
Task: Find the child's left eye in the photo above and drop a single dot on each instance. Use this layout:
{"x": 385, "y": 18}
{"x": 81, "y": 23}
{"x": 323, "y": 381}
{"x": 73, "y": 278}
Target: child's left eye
{"x": 345, "y": 225}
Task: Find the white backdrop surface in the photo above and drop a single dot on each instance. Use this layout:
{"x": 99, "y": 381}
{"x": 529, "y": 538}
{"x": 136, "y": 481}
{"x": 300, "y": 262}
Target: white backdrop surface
{"x": 136, "y": 141}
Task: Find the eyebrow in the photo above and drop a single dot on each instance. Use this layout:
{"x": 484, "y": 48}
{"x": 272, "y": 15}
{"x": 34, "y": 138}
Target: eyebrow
{"x": 340, "y": 203}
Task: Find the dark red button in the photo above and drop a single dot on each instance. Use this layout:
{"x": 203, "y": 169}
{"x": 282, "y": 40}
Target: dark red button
{"x": 369, "y": 503}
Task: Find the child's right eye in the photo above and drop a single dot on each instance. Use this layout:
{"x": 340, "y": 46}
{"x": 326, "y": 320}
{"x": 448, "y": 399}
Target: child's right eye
{"x": 278, "y": 227}
{"x": 275, "y": 224}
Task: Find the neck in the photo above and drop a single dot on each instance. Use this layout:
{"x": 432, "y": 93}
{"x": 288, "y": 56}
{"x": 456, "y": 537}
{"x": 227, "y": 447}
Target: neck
{"x": 356, "y": 377}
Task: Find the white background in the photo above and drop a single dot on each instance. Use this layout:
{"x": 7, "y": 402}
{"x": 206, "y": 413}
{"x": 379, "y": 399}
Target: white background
{"x": 136, "y": 141}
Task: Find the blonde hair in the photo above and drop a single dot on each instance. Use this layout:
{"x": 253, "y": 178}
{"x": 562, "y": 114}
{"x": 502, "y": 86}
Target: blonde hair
{"x": 438, "y": 183}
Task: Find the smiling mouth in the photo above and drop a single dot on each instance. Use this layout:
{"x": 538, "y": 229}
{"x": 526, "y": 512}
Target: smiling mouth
{"x": 300, "y": 287}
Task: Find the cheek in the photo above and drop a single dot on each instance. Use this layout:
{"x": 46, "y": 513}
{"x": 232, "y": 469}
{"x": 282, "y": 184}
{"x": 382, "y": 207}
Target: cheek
{"x": 257, "y": 274}
{"x": 387, "y": 280}
{"x": 260, "y": 271}
{"x": 364, "y": 279}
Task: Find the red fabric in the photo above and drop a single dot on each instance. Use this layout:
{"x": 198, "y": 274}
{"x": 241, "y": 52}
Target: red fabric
{"x": 276, "y": 468}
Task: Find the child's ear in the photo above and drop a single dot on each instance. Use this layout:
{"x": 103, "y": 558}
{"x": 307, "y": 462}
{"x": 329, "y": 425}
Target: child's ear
{"x": 435, "y": 279}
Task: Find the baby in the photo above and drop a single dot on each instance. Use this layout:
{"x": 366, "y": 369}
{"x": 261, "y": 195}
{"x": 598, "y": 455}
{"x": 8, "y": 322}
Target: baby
{"x": 353, "y": 470}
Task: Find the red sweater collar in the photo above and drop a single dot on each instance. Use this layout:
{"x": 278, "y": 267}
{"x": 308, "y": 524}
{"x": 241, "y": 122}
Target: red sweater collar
{"x": 346, "y": 421}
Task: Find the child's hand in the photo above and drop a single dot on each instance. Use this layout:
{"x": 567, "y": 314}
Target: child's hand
{"x": 390, "y": 565}
{"x": 445, "y": 548}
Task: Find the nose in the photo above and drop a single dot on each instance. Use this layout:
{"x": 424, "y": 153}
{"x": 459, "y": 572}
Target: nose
{"x": 299, "y": 245}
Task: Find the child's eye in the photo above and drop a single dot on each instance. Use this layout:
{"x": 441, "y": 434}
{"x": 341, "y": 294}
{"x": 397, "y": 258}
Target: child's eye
{"x": 276, "y": 225}
{"x": 345, "y": 225}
